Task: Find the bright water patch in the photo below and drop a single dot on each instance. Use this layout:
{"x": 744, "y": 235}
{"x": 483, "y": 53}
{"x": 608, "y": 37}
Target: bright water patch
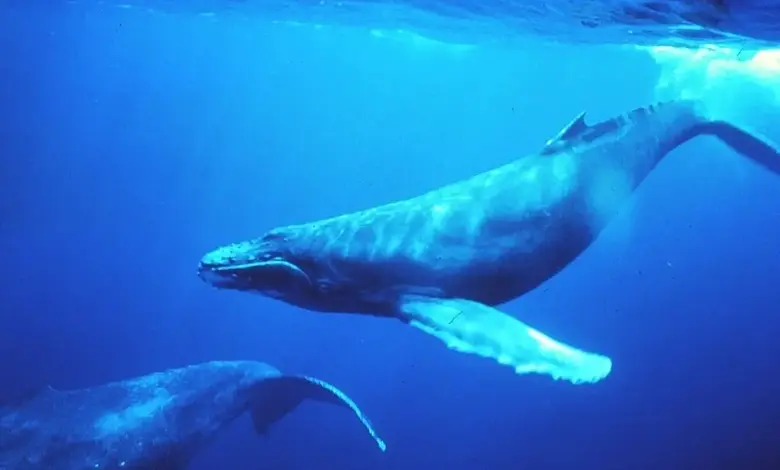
{"x": 741, "y": 88}
{"x": 708, "y": 71}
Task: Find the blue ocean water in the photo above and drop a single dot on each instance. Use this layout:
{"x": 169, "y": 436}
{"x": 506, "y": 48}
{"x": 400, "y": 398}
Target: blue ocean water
{"x": 136, "y": 140}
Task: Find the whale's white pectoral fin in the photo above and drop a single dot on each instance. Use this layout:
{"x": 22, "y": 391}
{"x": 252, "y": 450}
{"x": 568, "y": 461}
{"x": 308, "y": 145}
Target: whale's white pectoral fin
{"x": 475, "y": 328}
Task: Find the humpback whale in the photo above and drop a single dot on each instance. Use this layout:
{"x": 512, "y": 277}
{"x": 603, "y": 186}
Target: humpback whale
{"x": 444, "y": 260}
{"x": 153, "y": 422}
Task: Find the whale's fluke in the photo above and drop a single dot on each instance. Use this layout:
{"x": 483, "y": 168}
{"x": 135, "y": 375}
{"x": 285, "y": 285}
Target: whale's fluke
{"x": 280, "y": 395}
{"x": 475, "y": 328}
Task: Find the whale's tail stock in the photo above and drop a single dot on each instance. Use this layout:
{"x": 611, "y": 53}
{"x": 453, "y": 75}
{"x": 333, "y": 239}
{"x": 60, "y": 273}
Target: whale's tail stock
{"x": 278, "y": 396}
{"x": 743, "y": 140}
{"x": 749, "y": 144}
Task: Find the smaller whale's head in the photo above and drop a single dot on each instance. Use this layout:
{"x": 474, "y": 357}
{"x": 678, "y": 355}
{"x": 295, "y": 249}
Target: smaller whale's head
{"x": 263, "y": 265}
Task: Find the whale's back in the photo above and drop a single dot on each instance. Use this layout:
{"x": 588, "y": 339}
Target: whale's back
{"x": 468, "y": 238}
{"x": 50, "y": 429}
{"x": 499, "y": 234}
{"x": 98, "y": 427}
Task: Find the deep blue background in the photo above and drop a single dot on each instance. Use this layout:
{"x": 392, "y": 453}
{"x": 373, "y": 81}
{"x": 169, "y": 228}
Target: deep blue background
{"x": 133, "y": 142}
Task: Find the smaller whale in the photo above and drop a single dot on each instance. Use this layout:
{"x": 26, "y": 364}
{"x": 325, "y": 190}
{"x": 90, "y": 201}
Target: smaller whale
{"x": 446, "y": 260}
{"x": 154, "y": 422}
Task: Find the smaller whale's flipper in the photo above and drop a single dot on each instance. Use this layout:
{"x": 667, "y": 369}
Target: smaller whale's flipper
{"x": 280, "y": 395}
{"x": 748, "y": 144}
{"x": 475, "y": 328}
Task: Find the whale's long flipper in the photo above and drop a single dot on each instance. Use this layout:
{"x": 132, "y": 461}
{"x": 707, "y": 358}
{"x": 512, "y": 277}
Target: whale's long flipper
{"x": 746, "y": 143}
{"x": 280, "y": 395}
{"x": 474, "y": 328}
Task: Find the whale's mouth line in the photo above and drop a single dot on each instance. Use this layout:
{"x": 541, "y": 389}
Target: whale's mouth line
{"x": 239, "y": 267}
{"x": 252, "y": 275}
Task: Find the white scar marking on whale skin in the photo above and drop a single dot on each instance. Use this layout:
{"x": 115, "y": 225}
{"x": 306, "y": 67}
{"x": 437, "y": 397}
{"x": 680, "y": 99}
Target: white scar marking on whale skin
{"x": 381, "y": 224}
{"x": 403, "y": 233}
{"x": 333, "y": 237}
{"x": 380, "y": 234}
{"x": 435, "y": 221}
{"x": 137, "y": 414}
{"x": 439, "y": 215}
{"x": 132, "y": 417}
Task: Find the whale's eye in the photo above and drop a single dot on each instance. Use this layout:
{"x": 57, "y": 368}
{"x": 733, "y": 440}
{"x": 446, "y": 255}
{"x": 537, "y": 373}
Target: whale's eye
{"x": 324, "y": 286}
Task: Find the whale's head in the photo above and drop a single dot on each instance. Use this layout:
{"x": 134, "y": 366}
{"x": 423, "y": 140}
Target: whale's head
{"x": 263, "y": 265}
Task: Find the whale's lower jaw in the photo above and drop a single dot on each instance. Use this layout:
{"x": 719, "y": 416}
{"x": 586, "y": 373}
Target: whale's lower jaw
{"x": 213, "y": 277}
{"x": 244, "y": 277}
{"x": 225, "y": 280}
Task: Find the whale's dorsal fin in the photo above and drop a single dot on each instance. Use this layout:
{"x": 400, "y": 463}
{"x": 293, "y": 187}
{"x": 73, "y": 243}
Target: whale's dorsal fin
{"x": 572, "y": 130}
